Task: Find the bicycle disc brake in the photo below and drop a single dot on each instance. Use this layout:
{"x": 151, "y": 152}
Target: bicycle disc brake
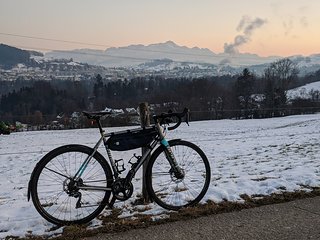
{"x": 122, "y": 190}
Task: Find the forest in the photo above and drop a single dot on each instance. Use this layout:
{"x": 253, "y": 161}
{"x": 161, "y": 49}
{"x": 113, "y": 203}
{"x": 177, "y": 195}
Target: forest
{"x": 10, "y": 56}
{"x": 241, "y": 96}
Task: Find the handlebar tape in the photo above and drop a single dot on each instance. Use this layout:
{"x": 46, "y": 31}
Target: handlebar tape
{"x": 163, "y": 116}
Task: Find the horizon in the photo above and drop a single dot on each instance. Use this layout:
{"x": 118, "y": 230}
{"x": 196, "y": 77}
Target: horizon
{"x": 273, "y": 28}
{"x": 46, "y": 51}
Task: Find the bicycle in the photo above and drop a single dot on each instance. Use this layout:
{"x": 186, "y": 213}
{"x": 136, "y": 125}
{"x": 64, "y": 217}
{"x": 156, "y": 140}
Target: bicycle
{"x": 72, "y": 184}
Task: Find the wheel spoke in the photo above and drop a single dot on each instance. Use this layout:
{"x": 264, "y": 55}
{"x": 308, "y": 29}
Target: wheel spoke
{"x": 172, "y": 193}
{"x": 56, "y": 195}
{"x": 57, "y": 173}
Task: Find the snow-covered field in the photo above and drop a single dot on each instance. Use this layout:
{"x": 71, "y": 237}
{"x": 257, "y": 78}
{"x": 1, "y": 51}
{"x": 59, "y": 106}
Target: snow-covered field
{"x": 304, "y": 91}
{"x": 246, "y": 156}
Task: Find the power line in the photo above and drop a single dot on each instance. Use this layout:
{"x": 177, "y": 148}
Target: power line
{"x": 93, "y": 44}
{"x": 109, "y": 46}
{"x": 53, "y": 40}
{"x": 103, "y": 55}
{"x": 83, "y": 53}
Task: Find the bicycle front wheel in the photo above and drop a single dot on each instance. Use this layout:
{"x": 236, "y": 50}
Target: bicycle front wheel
{"x": 58, "y": 197}
{"x": 171, "y": 192}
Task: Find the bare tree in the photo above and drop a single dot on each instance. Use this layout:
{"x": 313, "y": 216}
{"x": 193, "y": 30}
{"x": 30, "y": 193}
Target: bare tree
{"x": 278, "y": 76}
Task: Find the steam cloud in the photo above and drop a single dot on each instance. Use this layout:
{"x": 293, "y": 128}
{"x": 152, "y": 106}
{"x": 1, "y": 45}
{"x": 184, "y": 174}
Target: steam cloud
{"x": 247, "y": 27}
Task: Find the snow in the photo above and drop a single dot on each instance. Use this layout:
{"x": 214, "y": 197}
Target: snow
{"x": 113, "y": 111}
{"x": 253, "y": 157}
{"x": 303, "y": 91}
{"x": 73, "y": 64}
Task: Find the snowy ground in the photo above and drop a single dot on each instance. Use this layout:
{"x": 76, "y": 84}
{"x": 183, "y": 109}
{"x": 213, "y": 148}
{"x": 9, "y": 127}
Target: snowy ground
{"x": 246, "y": 156}
{"x": 303, "y": 91}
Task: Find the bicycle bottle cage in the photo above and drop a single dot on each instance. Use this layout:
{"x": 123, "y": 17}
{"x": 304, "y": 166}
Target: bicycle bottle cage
{"x": 131, "y": 139}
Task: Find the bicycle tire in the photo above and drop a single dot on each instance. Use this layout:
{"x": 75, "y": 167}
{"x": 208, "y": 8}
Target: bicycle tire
{"x": 169, "y": 192}
{"x": 49, "y": 180}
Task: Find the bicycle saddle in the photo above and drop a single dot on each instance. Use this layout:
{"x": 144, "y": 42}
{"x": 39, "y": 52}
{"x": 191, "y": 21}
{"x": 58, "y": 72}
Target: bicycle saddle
{"x": 95, "y": 115}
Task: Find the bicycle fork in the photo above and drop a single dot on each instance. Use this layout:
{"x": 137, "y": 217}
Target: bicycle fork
{"x": 175, "y": 168}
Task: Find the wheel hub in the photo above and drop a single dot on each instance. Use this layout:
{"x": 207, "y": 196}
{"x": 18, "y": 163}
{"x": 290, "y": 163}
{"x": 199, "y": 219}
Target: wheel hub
{"x": 70, "y": 186}
{"x": 177, "y": 175}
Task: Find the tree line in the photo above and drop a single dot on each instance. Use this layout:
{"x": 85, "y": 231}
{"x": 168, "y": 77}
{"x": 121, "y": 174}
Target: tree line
{"x": 241, "y": 96}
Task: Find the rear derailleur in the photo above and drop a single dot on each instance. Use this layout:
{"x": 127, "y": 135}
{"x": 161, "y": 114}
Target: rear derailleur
{"x": 70, "y": 186}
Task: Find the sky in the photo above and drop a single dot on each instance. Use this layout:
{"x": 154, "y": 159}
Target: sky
{"x": 263, "y": 27}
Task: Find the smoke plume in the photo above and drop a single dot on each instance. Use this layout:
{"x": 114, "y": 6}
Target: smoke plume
{"x": 246, "y": 26}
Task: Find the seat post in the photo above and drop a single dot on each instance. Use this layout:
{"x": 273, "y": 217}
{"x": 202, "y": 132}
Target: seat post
{"x": 100, "y": 126}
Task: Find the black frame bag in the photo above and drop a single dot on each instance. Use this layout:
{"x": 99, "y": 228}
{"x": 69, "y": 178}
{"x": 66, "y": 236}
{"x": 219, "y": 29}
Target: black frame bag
{"x": 131, "y": 139}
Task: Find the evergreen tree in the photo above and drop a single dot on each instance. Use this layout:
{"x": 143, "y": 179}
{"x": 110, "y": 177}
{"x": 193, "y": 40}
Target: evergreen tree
{"x": 244, "y": 90}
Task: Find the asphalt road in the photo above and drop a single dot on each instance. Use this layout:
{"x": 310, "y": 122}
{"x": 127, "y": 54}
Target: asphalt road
{"x": 298, "y": 219}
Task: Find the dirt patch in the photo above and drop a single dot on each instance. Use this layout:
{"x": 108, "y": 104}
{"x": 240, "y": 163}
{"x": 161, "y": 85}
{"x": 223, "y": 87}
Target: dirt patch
{"x": 113, "y": 223}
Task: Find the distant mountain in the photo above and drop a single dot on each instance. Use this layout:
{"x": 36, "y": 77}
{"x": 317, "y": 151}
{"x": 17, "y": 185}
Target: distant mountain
{"x": 11, "y": 56}
{"x": 141, "y": 55}
{"x": 134, "y": 55}
{"x": 164, "y": 59}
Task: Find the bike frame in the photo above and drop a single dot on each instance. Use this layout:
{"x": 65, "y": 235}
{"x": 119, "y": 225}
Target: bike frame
{"x": 135, "y": 167}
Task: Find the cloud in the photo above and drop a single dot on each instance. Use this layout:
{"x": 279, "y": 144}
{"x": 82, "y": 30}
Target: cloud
{"x": 224, "y": 62}
{"x": 246, "y": 26}
{"x": 304, "y": 21}
{"x": 292, "y": 23}
{"x": 288, "y": 26}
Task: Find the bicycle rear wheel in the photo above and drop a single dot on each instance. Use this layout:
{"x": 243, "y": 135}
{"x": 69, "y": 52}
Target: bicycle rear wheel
{"x": 173, "y": 193}
{"x": 57, "y": 197}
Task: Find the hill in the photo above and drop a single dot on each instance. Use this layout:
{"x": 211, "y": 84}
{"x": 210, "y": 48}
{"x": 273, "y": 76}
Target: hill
{"x": 21, "y": 64}
{"x": 307, "y": 91}
{"x": 11, "y": 56}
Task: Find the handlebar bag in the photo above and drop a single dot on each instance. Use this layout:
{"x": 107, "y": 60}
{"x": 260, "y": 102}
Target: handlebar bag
{"x": 131, "y": 139}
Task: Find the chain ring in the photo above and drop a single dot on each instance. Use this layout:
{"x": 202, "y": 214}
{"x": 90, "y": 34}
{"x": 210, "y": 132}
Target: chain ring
{"x": 120, "y": 191}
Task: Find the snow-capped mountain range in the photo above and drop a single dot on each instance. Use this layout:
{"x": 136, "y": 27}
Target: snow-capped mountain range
{"x": 134, "y": 55}
{"x": 163, "y": 59}
{"x": 144, "y": 55}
